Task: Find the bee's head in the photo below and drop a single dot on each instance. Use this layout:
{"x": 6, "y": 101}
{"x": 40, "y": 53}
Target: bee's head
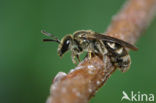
{"x": 64, "y": 45}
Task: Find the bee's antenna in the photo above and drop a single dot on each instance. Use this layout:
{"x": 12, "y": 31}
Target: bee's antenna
{"x": 55, "y": 39}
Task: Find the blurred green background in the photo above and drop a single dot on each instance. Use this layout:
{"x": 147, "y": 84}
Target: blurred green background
{"x": 28, "y": 66}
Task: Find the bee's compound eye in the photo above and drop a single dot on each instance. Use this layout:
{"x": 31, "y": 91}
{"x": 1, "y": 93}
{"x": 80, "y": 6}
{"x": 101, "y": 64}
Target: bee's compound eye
{"x": 67, "y": 42}
{"x": 65, "y": 47}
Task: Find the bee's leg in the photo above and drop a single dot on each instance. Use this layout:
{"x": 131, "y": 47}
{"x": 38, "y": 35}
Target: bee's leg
{"x": 105, "y": 57}
{"x": 100, "y": 48}
{"x": 78, "y": 58}
{"x": 73, "y": 58}
{"x": 89, "y": 55}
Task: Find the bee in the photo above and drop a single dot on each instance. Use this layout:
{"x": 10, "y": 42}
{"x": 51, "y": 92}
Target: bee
{"x": 94, "y": 43}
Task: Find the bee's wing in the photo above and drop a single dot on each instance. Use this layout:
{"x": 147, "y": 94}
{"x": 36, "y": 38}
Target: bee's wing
{"x": 111, "y": 39}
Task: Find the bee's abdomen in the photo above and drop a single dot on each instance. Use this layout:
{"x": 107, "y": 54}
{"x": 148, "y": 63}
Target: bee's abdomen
{"x": 123, "y": 62}
{"x": 119, "y": 55}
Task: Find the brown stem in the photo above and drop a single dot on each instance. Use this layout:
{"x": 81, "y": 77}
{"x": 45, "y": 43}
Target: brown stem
{"x": 81, "y": 83}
